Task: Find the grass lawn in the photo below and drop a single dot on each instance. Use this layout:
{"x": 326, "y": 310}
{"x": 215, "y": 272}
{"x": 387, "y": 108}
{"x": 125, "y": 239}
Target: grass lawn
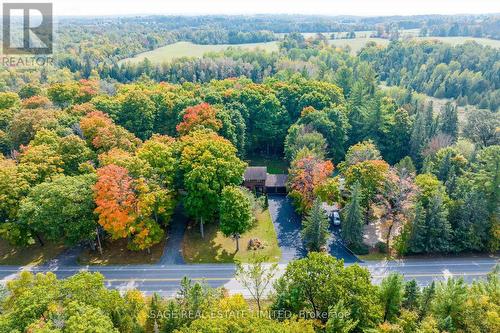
{"x": 275, "y": 165}
{"x": 216, "y": 248}
{"x": 373, "y": 256}
{"x": 188, "y": 49}
{"x": 117, "y": 253}
{"x": 31, "y": 255}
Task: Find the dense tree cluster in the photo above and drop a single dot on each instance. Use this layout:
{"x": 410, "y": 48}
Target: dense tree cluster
{"x": 467, "y": 72}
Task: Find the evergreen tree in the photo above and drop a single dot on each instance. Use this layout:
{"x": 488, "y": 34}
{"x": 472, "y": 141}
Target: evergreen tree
{"x": 315, "y": 230}
{"x": 449, "y": 120}
{"x": 439, "y": 229}
{"x": 405, "y": 166}
{"x": 472, "y": 223}
{"x": 419, "y": 230}
{"x": 411, "y": 295}
{"x": 425, "y": 301}
{"x": 391, "y": 295}
{"x": 418, "y": 137}
{"x": 352, "y": 223}
{"x": 339, "y": 319}
{"x": 431, "y": 231}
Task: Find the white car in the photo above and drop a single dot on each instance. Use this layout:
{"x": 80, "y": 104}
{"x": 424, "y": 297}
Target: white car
{"x": 336, "y": 218}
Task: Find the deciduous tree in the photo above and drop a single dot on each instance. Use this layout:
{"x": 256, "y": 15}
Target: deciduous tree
{"x": 235, "y": 212}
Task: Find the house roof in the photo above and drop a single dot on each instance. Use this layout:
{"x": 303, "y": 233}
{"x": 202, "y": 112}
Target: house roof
{"x": 255, "y": 173}
{"x": 276, "y": 180}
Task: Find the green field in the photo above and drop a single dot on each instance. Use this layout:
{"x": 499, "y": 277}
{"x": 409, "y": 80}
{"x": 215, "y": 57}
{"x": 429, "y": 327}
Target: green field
{"x": 358, "y": 43}
{"x": 188, "y": 49}
{"x": 460, "y": 40}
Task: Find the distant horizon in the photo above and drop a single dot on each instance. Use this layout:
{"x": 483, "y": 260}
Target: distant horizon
{"x": 261, "y": 14}
{"x": 357, "y": 8}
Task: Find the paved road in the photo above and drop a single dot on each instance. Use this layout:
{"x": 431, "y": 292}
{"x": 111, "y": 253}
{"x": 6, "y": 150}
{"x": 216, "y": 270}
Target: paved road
{"x": 165, "y": 279}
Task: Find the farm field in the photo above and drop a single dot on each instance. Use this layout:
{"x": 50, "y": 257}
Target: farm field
{"x": 188, "y": 49}
{"x": 357, "y": 44}
{"x": 460, "y": 40}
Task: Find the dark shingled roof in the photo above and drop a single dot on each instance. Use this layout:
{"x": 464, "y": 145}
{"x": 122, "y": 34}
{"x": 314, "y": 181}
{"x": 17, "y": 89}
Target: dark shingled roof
{"x": 276, "y": 180}
{"x": 255, "y": 173}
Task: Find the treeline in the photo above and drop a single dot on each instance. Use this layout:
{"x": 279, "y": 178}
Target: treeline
{"x": 482, "y": 26}
{"x": 469, "y": 73}
{"x": 339, "y": 299}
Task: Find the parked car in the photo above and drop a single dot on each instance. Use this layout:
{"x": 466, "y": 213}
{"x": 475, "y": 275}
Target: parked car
{"x": 336, "y": 218}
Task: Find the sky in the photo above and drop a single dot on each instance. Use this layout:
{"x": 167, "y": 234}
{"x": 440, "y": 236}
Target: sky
{"x": 323, "y": 7}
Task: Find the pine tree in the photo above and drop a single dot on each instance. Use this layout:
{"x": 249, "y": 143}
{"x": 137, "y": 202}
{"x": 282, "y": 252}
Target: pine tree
{"x": 339, "y": 319}
{"x": 391, "y": 295}
{"x": 426, "y": 299}
{"x": 419, "y": 230}
{"x": 438, "y": 226}
{"x": 418, "y": 137}
{"x": 411, "y": 295}
{"x": 471, "y": 231}
{"x": 449, "y": 120}
{"x": 352, "y": 223}
{"x": 315, "y": 230}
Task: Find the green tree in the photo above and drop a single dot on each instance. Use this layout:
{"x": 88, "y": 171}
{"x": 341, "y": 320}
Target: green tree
{"x": 313, "y": 283}
{"x": 449, "y": 120}
{"x": 208, "y": 163}
{"x": 235, "y": 212}
{"x": 431, "y": 231}
{"x": 411, "y": 296}
{"x": 137, "y": 113}
{"x": 361, "y": 152}
{"x": 482, "y": 127}
{"x": 339, "y": 319}
{"x": 448, "y": 304}
{"x": 61, "y": 210}
{"x": 315, "y": 227}
{"x": 352, "y": 221}
{"x": 74, "y": 152}
{"x": 300, "y": 137}
{"x": 391, "y": 295}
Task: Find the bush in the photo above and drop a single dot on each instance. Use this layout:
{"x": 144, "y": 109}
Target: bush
{"x": 381, "y": 247}
{"x": 360, "y": 249}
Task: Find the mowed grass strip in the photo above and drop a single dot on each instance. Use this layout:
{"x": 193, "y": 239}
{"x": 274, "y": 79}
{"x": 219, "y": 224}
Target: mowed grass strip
{"x": 30, "y": 255}
{"x": 216, "y": 248}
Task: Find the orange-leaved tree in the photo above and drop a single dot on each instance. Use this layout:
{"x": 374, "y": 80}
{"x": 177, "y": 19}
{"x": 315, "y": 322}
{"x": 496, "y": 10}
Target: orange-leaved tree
{"x": 115, "y": 200}
{"x": 199, "y": 116}
{"x": 307, "y": 172}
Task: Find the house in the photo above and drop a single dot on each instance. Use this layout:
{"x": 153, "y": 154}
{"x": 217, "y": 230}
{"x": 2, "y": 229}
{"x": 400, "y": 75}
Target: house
{"x": 256, "y": 179}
